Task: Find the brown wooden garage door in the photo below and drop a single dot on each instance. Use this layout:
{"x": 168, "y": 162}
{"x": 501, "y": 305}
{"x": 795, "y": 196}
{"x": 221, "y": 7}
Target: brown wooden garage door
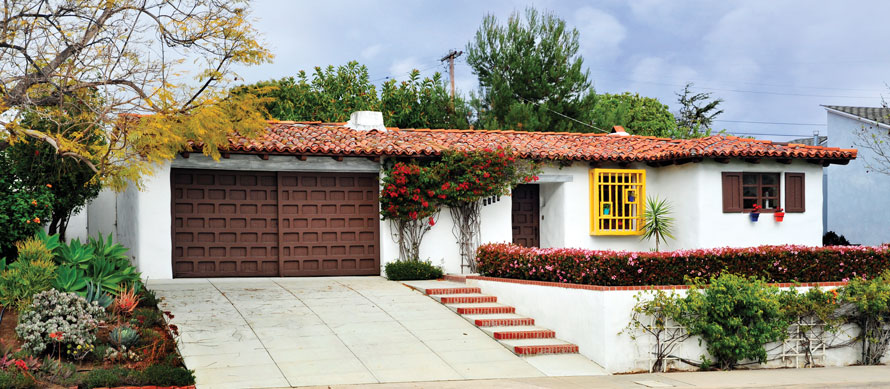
{"x": 268, "y": 224}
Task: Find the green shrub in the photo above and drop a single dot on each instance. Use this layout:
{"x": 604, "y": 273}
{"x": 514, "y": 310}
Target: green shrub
{"x": 868, "y": 306}
{"x": 106, "y": 378}
{"x": 23, "y": 279}
{"x": 15, "y": 379}
{"x": 56, "y": 312}
{"x": 166, "y": 375}
{"x": 412, "y": 270}
{"x": 735, "y": 316}
{"x": 33, "y": 249}
{"x": 23, "y": 208}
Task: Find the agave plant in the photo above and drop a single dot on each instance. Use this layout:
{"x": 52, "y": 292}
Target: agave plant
{"x": 659, "y": 224}
{"x": 94, "y": 293}
{"x": 107, "y": 249}
{"x": 70, "y": 279}
{"x": 74, "y": 254}
{"x": 123, "y": 336}
{"x": 51, "y": 242}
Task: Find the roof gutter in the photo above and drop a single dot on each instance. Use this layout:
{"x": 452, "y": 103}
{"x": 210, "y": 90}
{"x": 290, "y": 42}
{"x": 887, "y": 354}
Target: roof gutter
{"x": 854, "y": 117}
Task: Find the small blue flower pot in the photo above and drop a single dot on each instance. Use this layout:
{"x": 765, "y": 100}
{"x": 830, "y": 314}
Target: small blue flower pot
{"x": 754, "y": 216}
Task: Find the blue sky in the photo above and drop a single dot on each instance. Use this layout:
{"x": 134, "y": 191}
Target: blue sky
{"x": 771, "y": 61}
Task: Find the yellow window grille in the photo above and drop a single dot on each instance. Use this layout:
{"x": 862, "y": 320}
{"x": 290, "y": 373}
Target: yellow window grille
{"x": 617, "y": 201}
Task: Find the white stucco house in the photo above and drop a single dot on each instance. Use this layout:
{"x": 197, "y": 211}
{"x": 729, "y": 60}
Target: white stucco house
{"x": 302, "y": 199}
{"x": 856, "y": 195}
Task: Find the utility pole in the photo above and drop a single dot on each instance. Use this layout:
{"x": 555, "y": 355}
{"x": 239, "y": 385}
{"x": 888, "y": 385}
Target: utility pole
{"x": 450, "y": 57}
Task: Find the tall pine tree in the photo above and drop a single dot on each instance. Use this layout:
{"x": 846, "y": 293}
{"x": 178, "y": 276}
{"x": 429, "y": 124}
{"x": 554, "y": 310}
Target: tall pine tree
{"x": 531, "y": 75}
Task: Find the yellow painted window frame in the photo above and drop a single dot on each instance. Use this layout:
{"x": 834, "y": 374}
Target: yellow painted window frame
{"x": 621, "y": 180}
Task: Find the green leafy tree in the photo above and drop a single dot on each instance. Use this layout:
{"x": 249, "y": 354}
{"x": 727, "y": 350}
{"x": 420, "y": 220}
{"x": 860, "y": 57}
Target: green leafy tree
{"x": 639, "y": 115}
{"x": 697, "y": 112}
{"x": 531, "y": 75}
{"x": 331, "y": 95}
{"x": 24, "y": 208}
{"x": 36, "y": 164}
{"x": 426, "y": 103}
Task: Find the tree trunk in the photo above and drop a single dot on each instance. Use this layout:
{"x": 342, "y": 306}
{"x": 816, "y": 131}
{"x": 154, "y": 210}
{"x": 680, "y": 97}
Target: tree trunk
{"x": 59, "y": 223}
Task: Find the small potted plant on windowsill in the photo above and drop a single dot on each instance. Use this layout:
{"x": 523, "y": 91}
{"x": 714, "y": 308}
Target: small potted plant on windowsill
{"x": 755, "y": 214}
{"x": 779, "y": 215}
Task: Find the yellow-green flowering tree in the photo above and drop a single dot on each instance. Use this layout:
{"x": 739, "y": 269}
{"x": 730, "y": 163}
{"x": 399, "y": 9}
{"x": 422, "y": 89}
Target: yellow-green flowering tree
{"x": 170, "y": 62}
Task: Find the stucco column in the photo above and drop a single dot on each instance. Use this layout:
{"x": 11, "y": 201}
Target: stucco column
{"x": 153, "y": 224}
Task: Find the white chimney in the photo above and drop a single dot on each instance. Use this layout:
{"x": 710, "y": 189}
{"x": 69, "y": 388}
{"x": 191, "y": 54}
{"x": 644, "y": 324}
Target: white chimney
{"x": 366, "y": 121}
{"x": 619, "y": 131}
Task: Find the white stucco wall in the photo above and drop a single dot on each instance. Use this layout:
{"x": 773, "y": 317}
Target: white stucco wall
{"x": 439, "y": 246}
{"x": 593, "y": 320}
{"x": 695, "y": 193}
{"x": 142, "y": 221}
{"x": 857, "y": 196}
{"x": 102, "y": 214}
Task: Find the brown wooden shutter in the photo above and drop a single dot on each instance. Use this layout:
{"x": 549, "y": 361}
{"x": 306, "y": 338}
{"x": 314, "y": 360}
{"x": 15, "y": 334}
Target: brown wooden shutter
{"x": 732, "y": 192}
{"x": 795, "y": 199}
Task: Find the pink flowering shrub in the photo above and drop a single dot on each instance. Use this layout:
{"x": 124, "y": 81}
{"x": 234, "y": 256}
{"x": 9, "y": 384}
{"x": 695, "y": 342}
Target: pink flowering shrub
{"x": 621, "y": 268}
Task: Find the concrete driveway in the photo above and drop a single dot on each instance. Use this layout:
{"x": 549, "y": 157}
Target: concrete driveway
{"x": 282, "y": 332}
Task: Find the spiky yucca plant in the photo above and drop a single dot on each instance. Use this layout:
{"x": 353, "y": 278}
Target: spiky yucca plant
{"x": 659, "y": 224}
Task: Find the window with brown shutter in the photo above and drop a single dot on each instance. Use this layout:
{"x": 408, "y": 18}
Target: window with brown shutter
{"x": 795, "y": 199}
{"x": 741, "y": 190}
{"x": 732, "y": 192}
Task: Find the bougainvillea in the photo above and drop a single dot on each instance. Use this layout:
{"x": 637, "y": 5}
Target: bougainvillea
{"x": 413, "y": 194}
{"x": 410, "y": 199}
{"x": 621, "y": 268}
{"x": 470, "y": 177}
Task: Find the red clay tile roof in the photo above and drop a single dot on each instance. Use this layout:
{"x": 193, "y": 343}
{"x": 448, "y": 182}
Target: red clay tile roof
{"x": 333, "y": 139}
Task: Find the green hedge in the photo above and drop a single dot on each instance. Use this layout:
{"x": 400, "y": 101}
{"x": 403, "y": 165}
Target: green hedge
{"x": 621, "y": 268}
{"x": 412, "y": 270}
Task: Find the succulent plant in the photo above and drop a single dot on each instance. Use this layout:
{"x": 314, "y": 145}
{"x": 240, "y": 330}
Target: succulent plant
{"x": 57, "y": 317}
{"x": 124, "y": 336}
{"x": 95, "y": 294}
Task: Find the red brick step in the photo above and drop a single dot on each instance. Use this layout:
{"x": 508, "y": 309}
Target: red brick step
{"x": 537, "y": 334}
{"x": 433, "y": 291}
{"x": 485, "y": 310}
{"x": 546, "y": 349}
{"x": 469, "y": 299}
{"x": 522, "y": 321}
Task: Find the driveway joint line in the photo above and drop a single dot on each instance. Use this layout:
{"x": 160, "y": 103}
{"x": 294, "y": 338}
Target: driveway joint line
{"x": 407, "y": 329}
{"x": 253, "y": 331}
{"x": 329, "y": 327}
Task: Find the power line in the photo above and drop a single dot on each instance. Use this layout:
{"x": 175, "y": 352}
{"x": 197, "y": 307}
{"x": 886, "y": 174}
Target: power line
{"x": 779, "y": 123}
{"x": 565, "y": 116}
{"x": 769, "y": 134}
{"x": 735, "y": 90}
{"x": 406, "y": 73}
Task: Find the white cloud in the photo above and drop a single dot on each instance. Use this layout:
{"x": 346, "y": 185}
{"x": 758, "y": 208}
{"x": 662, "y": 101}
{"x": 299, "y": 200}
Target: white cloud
{"x": 371, "y": 51}
{"x": 601, "y": 33}
{"x": 400, "y": 68}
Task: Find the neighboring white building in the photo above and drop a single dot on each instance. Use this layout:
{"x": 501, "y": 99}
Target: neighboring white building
{"x": 857, "y": 197}
{"x": 302, "y": 200}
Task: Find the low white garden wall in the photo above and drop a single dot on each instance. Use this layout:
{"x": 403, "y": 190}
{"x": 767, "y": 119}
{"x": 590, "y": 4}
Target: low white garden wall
{"x": 593, "y": 316}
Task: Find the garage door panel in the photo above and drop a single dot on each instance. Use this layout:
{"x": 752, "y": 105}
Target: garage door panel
{"x": 315, "y": 209}
{"x": 233, "y": 224}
